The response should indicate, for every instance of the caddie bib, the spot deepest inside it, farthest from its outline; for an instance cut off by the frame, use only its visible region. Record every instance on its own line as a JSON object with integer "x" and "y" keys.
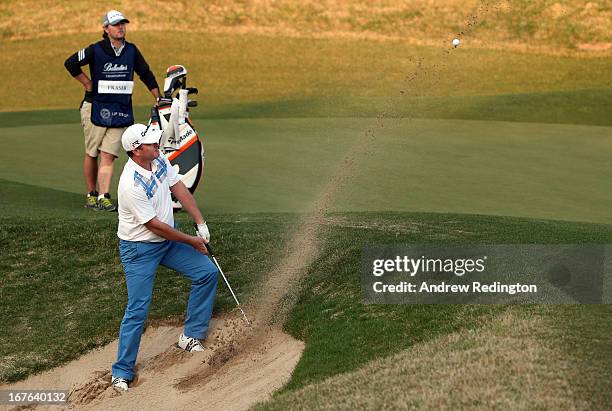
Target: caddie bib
{"x": 113, "y": 83}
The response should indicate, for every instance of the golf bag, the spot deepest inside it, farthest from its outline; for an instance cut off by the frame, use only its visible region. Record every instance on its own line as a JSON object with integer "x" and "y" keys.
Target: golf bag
{"x": 180, "y": 141}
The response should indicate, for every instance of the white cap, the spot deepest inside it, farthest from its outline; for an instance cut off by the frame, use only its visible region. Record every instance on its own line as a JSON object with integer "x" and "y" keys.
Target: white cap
{"x": 138, "y": 134}
{"x": 113, "y": 17}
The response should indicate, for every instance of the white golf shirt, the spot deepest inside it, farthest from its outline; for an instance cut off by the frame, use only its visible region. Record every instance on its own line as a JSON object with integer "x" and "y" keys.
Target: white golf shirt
{"x": 144, "y": 195}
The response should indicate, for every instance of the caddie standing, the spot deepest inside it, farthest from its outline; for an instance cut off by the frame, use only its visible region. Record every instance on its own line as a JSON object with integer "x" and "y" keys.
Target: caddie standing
{"x": 106, "y": 110}
{"x": 148, "y": 239}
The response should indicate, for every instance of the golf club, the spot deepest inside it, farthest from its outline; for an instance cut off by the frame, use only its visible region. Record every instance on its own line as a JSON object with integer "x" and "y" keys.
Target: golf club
{"x": 212, "y": 255}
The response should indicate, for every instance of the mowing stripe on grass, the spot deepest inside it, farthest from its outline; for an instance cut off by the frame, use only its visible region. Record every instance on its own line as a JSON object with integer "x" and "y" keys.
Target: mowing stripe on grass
{"x": 279, "y": 165}
{"x": 587, "y": 107}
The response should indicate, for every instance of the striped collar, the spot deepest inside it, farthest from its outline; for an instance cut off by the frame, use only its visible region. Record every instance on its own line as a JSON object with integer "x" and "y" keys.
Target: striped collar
{"x": 142, "y": 171}
{"x": 119, "y": 49}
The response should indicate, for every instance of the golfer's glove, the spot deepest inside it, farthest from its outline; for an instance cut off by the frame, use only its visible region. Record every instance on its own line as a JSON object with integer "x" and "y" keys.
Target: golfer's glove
{"x": 202, "y": 231}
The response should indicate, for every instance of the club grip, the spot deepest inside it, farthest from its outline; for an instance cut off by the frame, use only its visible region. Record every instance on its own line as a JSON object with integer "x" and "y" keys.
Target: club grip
{"x": 208, "y": 246}
{"x": 211, "y": 253}
{"x": 155, "y": 115}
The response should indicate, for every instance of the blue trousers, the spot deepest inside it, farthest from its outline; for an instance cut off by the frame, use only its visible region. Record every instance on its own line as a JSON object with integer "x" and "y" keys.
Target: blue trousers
{"x": 140, "y": 261}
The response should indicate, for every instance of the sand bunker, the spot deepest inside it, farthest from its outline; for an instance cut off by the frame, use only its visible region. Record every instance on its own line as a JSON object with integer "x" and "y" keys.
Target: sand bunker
{"x": 248, "y": 377}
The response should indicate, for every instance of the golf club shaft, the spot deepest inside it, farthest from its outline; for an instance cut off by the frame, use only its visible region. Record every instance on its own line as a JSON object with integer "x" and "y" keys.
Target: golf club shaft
{"x": 232, "y": 291}
{"x": 226, "y": 282}
{"x": 212, "y": 255}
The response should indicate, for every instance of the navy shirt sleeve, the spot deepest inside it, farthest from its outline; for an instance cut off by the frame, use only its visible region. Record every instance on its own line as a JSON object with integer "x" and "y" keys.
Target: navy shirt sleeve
{"x": 79, "y": 59}
{"x": 144, "y": 72}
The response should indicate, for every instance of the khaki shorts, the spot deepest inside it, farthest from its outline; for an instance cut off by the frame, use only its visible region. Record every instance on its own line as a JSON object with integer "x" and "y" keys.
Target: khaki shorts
{"x": 99, "y": 138}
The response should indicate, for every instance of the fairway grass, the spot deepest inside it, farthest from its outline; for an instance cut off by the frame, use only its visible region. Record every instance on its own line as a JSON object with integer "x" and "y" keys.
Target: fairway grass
{"x": 277, "y": 123}
{"x": 279, "y": 165}
{"x": 587, "y": 107}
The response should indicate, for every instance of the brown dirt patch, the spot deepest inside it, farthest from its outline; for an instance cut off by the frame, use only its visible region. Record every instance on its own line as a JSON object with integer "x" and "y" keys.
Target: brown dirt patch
{"x": 504, "y": 365}
{"x": 540, "y": 25}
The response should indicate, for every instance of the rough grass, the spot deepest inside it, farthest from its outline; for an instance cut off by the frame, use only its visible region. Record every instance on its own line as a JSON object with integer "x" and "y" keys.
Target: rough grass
{"x": 514, "y": 360}
{"x": 61, "y": 281}
{"x": 343, "y": 334}
{"x": 62, "y": 286}
{"x": 442, "y": 357}
{"x": 326, "y": 75}
{"x": 542, "y": 25}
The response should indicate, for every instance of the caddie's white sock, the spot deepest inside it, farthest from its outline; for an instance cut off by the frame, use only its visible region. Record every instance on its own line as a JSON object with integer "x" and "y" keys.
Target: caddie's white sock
{"x": 100, "y": 196}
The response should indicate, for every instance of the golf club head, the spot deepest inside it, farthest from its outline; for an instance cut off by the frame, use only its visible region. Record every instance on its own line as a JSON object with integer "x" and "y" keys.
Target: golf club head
{"x": 176, "y": 77}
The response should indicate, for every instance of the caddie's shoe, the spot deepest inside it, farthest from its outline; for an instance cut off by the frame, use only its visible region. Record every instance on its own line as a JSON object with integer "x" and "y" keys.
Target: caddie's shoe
{"x": 105, "y": 204}
{"x": 91, "y": 201}
{"x": 190, "y": 344}
{"x": 119, "y": 383}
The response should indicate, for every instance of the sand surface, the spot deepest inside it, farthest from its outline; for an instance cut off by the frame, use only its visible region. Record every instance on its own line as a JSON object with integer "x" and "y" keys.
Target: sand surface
{"x": 249, "y": 376}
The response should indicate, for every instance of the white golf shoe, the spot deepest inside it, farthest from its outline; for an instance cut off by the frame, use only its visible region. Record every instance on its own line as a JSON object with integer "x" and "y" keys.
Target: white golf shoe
{"x": 119, "y": 384}
{"x": 190, "y": 344}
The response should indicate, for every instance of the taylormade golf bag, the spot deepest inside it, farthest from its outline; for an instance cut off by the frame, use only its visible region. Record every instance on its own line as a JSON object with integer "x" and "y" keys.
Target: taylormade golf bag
{"x": 180, "y": 141}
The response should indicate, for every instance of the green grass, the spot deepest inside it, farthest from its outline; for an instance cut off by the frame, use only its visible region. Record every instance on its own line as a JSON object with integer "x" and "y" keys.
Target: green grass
{"x": 279, "y": 165}
{"x": 588, "y": 107}
{"x": 277, "y": 123}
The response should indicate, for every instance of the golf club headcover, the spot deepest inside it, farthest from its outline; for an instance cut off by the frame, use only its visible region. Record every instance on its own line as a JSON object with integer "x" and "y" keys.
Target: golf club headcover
{"x": 202, "y": 231}
{"x": 172, "y": 130}
{"x": 182, "y": 98}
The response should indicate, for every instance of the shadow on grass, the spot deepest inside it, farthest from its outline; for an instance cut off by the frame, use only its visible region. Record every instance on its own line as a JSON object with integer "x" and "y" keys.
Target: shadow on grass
{"x": 588, "y": 107}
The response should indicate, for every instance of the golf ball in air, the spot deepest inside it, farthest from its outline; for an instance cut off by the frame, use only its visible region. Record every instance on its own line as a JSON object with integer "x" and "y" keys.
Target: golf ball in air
{"x": 456, "y": 42}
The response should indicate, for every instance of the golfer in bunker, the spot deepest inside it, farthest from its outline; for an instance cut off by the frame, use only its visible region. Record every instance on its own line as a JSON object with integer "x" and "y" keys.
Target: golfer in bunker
{"x": 148, "y": 239}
